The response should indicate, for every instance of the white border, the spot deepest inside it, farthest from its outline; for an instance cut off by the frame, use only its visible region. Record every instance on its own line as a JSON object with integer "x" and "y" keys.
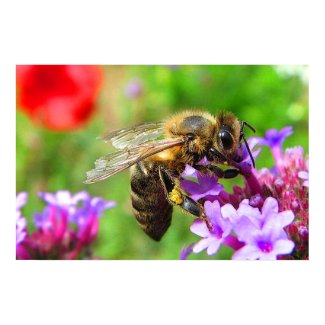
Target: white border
{"x": 147, "y": 32}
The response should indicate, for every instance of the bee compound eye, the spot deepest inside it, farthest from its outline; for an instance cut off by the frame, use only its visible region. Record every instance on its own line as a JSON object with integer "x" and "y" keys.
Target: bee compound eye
{"x": 226, "y": 139}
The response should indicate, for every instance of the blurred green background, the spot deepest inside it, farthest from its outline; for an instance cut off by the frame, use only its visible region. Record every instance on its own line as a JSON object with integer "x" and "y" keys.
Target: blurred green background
{"x": 264, "y": 96}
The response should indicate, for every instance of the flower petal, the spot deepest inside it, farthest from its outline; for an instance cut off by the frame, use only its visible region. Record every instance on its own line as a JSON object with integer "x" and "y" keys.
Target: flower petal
{"x": 248, "y": 252}
{"x": 258, "y": 141}
{"x": 303, "y": 175}
{"x": 49, "y": 198}
{"x": 189, "y": 171}
{"x": 246, "y": 230}
{"x": 285, "y": 132}
{"x": 186, "y": 251}
{"x": 190, "y": 187}
{"x": 98, "y": 205}
{"x": 197, "y": 196}
{"x": 202, "y": 245}
{"x": 80, "y": 196}
{"x": 213, "y": 247}
{"x": 204, "y": 161}
{"x": 251, "y": 213}
{"x": 229, "y": 212}
{"x": 252, "y": 142}
{"x": 200, "y": 228}
{"x": 21, "y": 200}
{"x": 267, "y": 256}
{"x": 212, "y": 210}
{"x": 64, "y": 198}
{"x": 270, "y": 206}
{"x": 278, "y": 221}
{"x": 286, "y": 217}
{"x": 283, "y": 246}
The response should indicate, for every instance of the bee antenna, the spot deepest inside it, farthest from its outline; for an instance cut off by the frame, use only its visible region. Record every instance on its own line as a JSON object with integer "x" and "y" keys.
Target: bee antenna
{"x": 243, "y": 124}
{"x": 249, "y": 151}
{"x": 242, "y": 136}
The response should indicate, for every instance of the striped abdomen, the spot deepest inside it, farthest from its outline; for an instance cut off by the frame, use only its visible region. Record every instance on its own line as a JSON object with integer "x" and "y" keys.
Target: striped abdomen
{"x": 150, "y": 206}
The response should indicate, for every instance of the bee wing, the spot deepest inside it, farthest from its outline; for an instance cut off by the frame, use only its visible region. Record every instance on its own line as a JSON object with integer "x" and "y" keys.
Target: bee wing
{"x": 116, "y": 162}
{"x": 134, "y": 136}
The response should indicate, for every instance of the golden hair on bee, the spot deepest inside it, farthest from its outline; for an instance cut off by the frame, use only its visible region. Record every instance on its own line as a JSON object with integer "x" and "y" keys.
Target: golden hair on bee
{"x": 173, "y": 124}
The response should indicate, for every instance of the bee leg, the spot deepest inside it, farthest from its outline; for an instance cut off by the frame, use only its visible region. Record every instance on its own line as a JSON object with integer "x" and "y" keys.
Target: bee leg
{"x": 214, "y": 170}
{"x": 231, "y": 173}
{"x": 176, "y": 196}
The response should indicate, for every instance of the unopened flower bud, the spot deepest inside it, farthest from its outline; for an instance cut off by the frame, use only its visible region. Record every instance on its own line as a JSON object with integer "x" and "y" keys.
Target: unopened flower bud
{"x": 256, "y": 200}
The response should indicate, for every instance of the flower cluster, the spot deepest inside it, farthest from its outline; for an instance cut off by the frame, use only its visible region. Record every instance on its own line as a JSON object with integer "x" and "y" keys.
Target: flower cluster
{"x": 265, "y": 219}
{"x": 65, "y": 229}
{"x": 288, "y": 182}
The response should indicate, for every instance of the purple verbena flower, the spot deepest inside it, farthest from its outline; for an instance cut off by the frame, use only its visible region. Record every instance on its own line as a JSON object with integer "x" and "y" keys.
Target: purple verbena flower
{"x": 21, "y": 222}
{"x": 95, "y": 205}
{"x": 87, "y": 218}
{"x": 206, "y": 185}
{"x": 186, "y": 251}
{"x": 54, "y": 237}
{"x": 212, "y": 239}
{"x": 268, "y": 216}
{"x": 52, "y": 219}
{"x": 134, "y": 88}
{"x": 64, "y": 199}
{"x": 274, "y": 139}
{"x": 244, "y": 209}
{"x": 21, "y": 231}
{"x": 262, "y": 231}
{"x": 20, "y": 228}
{"x": 21, "y": 200}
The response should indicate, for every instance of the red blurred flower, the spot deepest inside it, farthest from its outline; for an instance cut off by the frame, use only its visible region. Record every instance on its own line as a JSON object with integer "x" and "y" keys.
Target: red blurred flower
{"x": 58, "y": 97}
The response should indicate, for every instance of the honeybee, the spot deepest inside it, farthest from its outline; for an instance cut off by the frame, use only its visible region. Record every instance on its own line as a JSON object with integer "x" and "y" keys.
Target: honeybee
{"x": 156, "y": 163}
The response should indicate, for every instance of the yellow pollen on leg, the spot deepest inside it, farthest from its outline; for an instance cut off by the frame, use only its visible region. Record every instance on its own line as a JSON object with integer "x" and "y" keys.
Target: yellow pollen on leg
{"x": 175, "y": 197}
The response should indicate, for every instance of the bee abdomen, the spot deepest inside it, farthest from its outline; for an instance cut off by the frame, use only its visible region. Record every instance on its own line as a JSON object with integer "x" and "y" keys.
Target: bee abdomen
{"x": 150, "y": 205}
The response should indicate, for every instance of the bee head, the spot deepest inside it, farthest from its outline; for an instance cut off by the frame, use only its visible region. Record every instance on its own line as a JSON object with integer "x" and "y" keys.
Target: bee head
{"x": 229, "y": 134}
